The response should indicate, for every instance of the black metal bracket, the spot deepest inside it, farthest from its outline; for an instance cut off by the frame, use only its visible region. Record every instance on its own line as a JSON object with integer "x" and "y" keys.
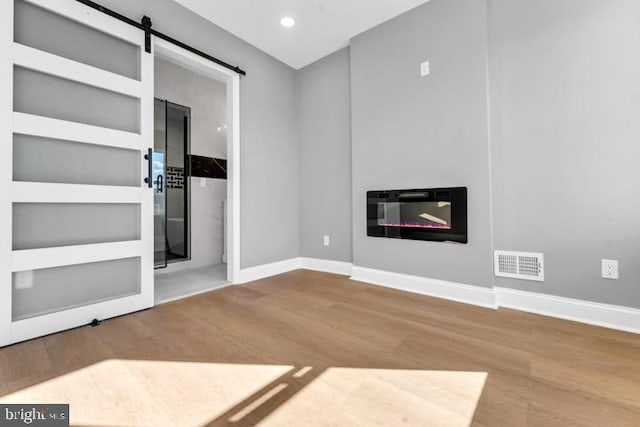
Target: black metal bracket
{"x": 146, "y": 27}
{"x": 149, "y": 158}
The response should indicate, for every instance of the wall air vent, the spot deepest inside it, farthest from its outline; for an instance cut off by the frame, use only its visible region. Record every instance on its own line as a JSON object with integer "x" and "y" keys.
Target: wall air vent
{"x": 519, "y": 265}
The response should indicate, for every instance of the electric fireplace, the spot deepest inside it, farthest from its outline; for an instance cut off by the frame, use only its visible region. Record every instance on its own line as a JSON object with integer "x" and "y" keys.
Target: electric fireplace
{"x": 436, "y": 214}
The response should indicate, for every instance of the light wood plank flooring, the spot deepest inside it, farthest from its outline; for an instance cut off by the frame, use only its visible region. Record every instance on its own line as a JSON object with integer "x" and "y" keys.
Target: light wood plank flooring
{"x": 307, "y": 348}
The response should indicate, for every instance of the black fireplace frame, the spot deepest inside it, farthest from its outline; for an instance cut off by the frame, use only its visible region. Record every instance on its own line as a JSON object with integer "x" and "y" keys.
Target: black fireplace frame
{"x": 456, "y": 195}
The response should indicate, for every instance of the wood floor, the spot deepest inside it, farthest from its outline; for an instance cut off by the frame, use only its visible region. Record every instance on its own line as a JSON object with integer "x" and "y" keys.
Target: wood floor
{"x": 308, "y": 348}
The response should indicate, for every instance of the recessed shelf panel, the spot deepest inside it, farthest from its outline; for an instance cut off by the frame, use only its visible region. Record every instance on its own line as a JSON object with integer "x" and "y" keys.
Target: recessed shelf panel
{"x": 38, "y": 159}
{"x": 45, "y": 225}
{"x": 49, "y": 290}
{"x": 53, "y": 33}
{"x": 45, "y": 95}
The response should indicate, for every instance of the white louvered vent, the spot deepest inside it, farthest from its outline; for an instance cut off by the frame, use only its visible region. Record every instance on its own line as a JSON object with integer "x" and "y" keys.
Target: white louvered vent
{"x": 519, "y": 265}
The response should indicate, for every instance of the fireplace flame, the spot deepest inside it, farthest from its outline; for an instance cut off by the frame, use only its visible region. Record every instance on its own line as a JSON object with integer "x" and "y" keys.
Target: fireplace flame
{"x": 432, "y": 218}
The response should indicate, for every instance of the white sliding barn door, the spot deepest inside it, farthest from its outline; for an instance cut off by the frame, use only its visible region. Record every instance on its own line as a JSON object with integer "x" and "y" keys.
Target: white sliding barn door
{"x": 76, "y": 123}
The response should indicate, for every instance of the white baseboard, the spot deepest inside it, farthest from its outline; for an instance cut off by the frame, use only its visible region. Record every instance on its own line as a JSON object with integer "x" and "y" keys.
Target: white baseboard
{"x": 267, "y": 270}
{"x": 327, "y": 266}
{"x": 468, "y": 294}
{"x": 605, "y": 315}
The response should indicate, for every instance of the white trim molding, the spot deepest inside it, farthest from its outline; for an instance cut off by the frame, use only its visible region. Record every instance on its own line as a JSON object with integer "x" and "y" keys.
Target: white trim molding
{"x": 177, "y": 55}
{"x": 34, "y": 327}
{"x": 467, "y": 294}
{"x": 36, "y": 259}
{"x": 29, "y": 124}
{"x": 605, "y": 315}
{"x": 6, "y": 166}
{"x": 597, "y": 314}
{"x": 326, "y": 266}
{"x": 266, "y": 270}
{"x": 34, "y": 59}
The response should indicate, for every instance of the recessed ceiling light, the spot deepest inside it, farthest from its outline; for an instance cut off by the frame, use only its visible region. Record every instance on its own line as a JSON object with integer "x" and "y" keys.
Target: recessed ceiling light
{"x": 287, "y": 22}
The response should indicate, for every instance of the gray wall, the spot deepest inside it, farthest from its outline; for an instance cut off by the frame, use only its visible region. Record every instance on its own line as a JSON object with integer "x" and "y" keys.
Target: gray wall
{"x": 563, "y": 151}
{"x": 325, "y": 157}
{"x": 414, "y": 132}
{"x": 268, "y": 130}
{"x": 565, "y": 104}
{"x": 564, "y": 95}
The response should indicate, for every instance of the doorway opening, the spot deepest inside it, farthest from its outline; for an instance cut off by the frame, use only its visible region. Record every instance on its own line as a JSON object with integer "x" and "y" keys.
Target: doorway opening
{"x": 195, "y": 175}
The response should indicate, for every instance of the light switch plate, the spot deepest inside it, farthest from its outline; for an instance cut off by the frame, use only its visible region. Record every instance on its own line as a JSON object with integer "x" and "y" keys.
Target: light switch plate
{"x": 425, "y": 69}
{"x": 325, "y": 240}
{"x": 203, "y": 182}
{"x": 610, "y": 269}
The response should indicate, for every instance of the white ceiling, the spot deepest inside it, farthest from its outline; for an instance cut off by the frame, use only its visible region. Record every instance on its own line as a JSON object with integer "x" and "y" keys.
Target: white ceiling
{"x": 322, "y": 26}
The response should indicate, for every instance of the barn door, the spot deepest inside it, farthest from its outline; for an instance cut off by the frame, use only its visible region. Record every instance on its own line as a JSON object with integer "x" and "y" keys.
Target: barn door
{"x": 78, "y": 209}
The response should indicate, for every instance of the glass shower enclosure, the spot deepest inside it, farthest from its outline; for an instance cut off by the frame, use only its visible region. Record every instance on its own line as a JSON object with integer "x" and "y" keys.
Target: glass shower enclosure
{"x": 171, "y": 171}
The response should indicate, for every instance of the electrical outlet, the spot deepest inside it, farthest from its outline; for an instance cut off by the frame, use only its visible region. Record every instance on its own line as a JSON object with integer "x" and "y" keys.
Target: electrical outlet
{"x": 203, "y": 182}
{"x": 610, "y": 269}
{"x": 325, "y": 240}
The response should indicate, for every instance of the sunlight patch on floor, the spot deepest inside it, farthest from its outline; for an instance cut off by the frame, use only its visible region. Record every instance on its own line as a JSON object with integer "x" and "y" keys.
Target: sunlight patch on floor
{"x": 168, "y": 393}
{"x": 151, "y": 393}
{"x": 363, "y": 397}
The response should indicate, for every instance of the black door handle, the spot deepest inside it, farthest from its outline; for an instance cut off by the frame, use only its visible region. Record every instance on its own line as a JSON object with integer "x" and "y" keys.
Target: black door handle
{"x": 160, "y": 184}
{"x": 149, "y": 158}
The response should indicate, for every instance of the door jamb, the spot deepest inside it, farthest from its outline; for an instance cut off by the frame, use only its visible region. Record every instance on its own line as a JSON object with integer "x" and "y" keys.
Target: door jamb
{"x": 186, "y": 59}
